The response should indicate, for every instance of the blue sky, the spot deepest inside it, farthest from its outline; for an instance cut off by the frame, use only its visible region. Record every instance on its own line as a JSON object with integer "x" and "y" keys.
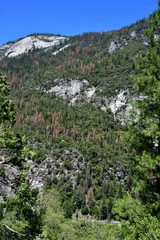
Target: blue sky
{"x": 19, "y": 18}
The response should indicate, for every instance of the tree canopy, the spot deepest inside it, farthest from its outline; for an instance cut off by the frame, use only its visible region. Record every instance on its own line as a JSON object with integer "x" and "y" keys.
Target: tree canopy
{"x": 7, "y": 111}
{"x": 144, "y": 130}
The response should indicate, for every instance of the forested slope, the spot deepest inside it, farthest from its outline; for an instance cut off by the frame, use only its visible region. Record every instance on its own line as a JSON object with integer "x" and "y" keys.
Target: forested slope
{"x": 89, "y": 165}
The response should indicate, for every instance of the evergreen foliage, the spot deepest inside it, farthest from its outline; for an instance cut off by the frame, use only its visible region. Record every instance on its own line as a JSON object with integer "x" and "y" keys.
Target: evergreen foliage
{"x": 145, "y": 127}
{"x": 18, "y": 218}
{"x": 103, "y": 170}
{"x": 144, "y": 141}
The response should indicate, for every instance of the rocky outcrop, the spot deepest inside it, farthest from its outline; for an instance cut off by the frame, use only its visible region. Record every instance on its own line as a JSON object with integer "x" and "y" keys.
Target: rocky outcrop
{"x": 66, "y": 89}
{"x": 117, "y": 102}
{"x": 61, "y": 49}
{"x": 113, "y": 46}
{"x": 131, "y": 34}
{"x": 118, "y": 173}
{"x": 31, "y": 42}
{"x": 4, "y": 48}
{"x": 68, "y": 165}
{"x": 9, "y": 174}
{"x": 78, "y": 92}
{"x": 73, "y": 90}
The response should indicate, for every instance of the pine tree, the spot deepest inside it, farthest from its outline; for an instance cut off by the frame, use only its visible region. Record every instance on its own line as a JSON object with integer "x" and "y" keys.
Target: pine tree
{"x": 144, "y": 130}
{"x": 148, "y": 88}
{"x": 90, "y": 198}
{"x": 7, "y": 111}
{"x": 20, "y": 208}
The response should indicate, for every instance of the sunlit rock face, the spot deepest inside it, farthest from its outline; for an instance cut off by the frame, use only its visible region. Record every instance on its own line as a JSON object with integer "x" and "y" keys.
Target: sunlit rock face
{"x": 31, "y": 42}
{"x": 113, "y": 46}
{"x": 71, "y": 89}
{"x": 67, "y": 89}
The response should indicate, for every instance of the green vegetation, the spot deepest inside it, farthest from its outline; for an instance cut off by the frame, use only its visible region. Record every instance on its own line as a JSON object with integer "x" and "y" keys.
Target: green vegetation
{"x": 144, "y": 140}
{"x": 100, "y": 170}
{"x": 58, "y": 227}
{"x": 86, "y": 58}
{"x": 18, "y": 214}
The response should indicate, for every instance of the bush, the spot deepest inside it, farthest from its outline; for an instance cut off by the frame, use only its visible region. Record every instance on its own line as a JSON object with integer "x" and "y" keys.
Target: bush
{"x": 68, "y": 164}
{"x": 2, "y": 171}
{"x": 142, "y": 228}
{"x": 84, "y": 210}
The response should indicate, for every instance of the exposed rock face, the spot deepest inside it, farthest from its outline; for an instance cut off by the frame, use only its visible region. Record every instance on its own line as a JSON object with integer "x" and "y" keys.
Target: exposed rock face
{"x": 133, "y": 34}
{"x": 31, "y": 42}
{"x": 90, "y": 92}
{"x": 71, "y": 90}
{"x": 56, "y": 166}
{"x": 76, "y": 90}
{"x": 68, "y": 165}
{"x": 67, "y": 89}
{"x": 3, "y": 49}
{"x": 118, "y": 101}
{"x": 7, "y": 179}
{"x": 61, "y": 49}
{"x": 113, "y": 46}
{"x": 118, "y": 173}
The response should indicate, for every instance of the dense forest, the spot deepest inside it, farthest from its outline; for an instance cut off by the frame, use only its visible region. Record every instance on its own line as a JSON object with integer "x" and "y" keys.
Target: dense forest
{"x": 100, "y": 176}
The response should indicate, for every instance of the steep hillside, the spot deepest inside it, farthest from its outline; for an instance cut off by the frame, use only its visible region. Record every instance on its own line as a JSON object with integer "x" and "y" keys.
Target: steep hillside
{"x": 89, "y": 74}
{"x": 64, "y": 89}
{"x": 106, "y": 60}
{"x": 72, "y": 96}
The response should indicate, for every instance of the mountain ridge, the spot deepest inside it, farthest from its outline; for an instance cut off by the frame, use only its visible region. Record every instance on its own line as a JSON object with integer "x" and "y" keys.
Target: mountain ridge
{"x": 40, "y": 40}
{"x": 78, "y": 151}
{"x": 105, "y": 60}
